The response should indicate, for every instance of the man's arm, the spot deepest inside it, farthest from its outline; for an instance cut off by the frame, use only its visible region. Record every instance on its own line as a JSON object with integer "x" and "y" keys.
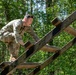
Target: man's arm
{"x": 33, "y": 34}
{"x": 18, "y": 37}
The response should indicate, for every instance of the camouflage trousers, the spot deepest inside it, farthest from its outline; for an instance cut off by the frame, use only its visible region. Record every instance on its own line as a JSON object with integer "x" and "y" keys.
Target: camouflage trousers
{"x": 13, "y": 47}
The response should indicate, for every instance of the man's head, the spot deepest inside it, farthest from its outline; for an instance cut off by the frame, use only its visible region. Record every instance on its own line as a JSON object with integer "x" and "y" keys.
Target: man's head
{"x": 28, "y": 19}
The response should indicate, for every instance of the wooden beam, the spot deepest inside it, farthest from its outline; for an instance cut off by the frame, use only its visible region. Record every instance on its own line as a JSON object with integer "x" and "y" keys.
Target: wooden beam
{"x": 28, "y": 65}
{"x": 52, "y": 58}
{"x": 28, "y": 45}
{"x": 69, "y": 29}
{"x": 25, "y": 65}
{"x": 42, "y": 42}
{"x": 48, "y": 48}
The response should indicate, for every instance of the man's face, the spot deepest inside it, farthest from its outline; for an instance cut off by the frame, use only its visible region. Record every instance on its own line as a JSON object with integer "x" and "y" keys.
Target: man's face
{"x": 29, "y": 21}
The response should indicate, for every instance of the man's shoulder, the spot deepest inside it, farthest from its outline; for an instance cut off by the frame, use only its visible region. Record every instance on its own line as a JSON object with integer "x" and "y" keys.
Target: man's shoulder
{"x": 18, "y": 21}
{"x": 13, "y": 21}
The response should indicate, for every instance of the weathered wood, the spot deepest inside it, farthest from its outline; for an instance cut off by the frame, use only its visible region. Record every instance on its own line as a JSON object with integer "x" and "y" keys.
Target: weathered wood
{"x": 25, "y": 65}
{"x": 69, "y": 29}
{"x": 56, "y": 21}
{"x": 52, "y": 58}
{"x": 32, "y": 50}
{"x": 48, "y": 48}
{"x": 28, "y": 65}
{"x": 28, "y": 45}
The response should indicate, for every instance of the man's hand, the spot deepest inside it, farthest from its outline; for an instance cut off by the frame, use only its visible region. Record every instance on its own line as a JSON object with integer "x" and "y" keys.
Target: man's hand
{"x": 26, "y": 45}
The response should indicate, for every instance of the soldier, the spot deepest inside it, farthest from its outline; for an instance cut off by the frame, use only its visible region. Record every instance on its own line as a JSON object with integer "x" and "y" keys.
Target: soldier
{"x": 11, "y": 34}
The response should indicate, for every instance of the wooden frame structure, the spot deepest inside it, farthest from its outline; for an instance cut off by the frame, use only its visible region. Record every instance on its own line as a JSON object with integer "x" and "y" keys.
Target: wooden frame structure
{"x": 32, "y": 49}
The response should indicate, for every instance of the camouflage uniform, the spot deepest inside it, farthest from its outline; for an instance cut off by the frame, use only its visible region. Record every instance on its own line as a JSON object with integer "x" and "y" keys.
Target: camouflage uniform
{"x": 12, "y": 33}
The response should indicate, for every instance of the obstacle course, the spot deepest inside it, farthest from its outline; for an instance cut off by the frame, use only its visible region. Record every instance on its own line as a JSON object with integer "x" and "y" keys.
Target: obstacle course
{"x": 7, "y": 67}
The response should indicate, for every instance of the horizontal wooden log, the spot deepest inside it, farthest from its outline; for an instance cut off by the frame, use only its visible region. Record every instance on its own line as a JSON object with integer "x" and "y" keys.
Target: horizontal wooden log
{"x": 42, "y": 42}
{"x": 28, "y": 45}
{"x": 48, "y": 48}
{"x": 52, "y": 58}
{"x": 69, "y": 29}
{"x": 25, "y": 65}
{"x": 56, "y": 21}
{"x": 28, "y": 65}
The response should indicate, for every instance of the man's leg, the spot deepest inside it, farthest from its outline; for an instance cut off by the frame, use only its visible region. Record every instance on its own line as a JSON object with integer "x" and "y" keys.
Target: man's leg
{"x": 13, "y": 48}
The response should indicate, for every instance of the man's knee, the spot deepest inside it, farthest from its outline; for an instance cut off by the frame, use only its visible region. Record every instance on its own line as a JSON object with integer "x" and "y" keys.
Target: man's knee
{"x": 13, "y": 55}
{"x": 13, "y": 49}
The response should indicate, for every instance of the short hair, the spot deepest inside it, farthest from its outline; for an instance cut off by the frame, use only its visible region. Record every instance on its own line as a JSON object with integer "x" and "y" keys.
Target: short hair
{"x": 28, "y": 16}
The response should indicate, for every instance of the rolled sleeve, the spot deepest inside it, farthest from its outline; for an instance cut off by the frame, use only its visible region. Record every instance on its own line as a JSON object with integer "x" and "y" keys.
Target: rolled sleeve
{"x": 33, "y": 34}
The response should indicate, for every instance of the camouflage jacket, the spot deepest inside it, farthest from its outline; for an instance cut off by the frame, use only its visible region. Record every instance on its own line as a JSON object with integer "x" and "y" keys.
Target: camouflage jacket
{"x": 16, "y": 26}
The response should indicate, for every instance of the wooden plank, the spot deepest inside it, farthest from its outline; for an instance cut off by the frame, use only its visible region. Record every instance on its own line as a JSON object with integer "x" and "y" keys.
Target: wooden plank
{"x": 28, "y": 45}
{"x": 69, "y": 29}
{"x": 28, "y": 65}
{"x": 48, "y": 37}
{"x": 25, "y": 65}
{"x": 52, "y": 58}
{"x": 48, "y": 48}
